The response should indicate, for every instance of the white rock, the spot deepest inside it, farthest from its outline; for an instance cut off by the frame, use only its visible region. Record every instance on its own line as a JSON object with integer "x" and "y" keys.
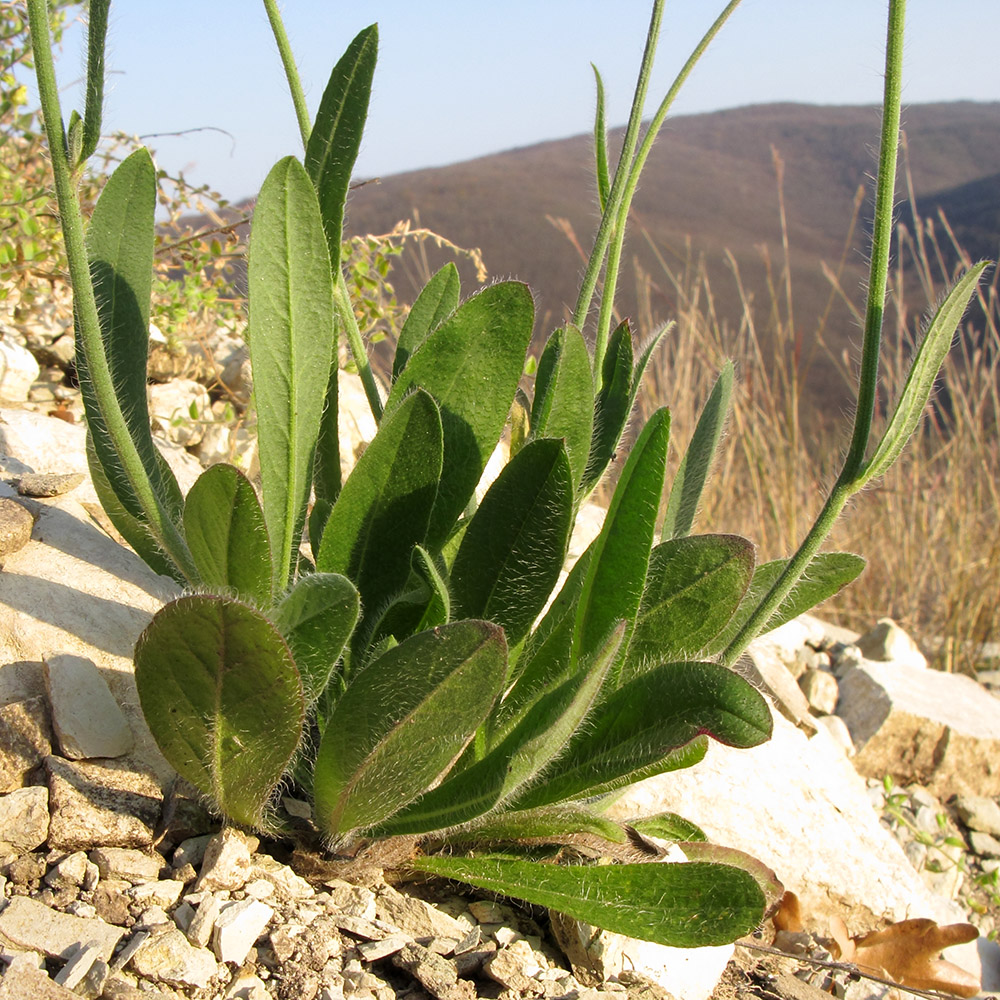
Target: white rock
{"x": 925, "y": 726}
{"x": 837, "y": 730}
{"x": 979, "y": 813}
{"x": 199, "y": 931}
{"x": 356, "y": 426}
{"x": 32, "y": 925}
{"x": 71, "y": 871}
{"x": 415, "y": 916}
{"x": 127, "y": 863}
{"x": 24, "y": 819}
{"x": 74, "y": 971}
{"x": 823, "y": 839}
{"x": 85, "y": 716}
{"x": 227, "y": 862}
{"x": 169, "y": 958}
{"x": 22, "y": 982}
{"x": 237, "y": 927}
{"x": 18, "y": 369}
{"x": 179, "y": 409}
{"x": 820, "y": 689}
{"x": 887, "y": 641}
{"x": 163, "y": 892}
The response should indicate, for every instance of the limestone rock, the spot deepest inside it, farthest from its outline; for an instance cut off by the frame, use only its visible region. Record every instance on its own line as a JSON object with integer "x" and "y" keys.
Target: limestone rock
{"x": 85, "y": 716}
{"x": 70, "y": 871}
{"x": 415, "y": 916}
{"x": 18, "y": 369}
{"x": 48, "y": 484}
{"x": 820, "y": 689}
{"x": 178, "y": 410}
{"x": 436, "y": 974}
{"x": 798, "y": 805}
{"x": 164, "y": 893}
{"x": 21, "y": 982}
{"x": 26, "y": 738}
{"x": 169, "y": 958}
{"x": 938, "y": 730}
{"x": 226, "y": 864}
{"x": 24, "y": 819}
{"x": 16, "y": 525}
{"x": 127, "y": 863}
{"x": 101, "y": 803}
{"x": 237, "y": 927}
{"x": 32, "y": 925}
{"x": 887, "y": 641}
{"x": 979, "y": 813}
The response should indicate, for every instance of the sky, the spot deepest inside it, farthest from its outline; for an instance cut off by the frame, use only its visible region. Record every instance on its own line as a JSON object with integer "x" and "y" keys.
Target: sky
{"x": 458, "y": 80}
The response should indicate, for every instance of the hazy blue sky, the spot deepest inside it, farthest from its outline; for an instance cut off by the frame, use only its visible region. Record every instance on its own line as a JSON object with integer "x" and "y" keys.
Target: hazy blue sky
{"x": 461, "y": 79}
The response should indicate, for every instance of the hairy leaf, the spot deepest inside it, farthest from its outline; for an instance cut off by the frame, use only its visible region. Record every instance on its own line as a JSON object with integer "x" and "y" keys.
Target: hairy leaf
{"x": 336, "y": 133}
{"x": 551, "y": 824}
{"x": 612, "y": 405}
{"x": 317, "y": 617}
{"x": 564, "y": 397}
{"x": 471, "y": 365}
{"x": 403, "y": 720}
{"x": 681, "y": 905}
{"x": 437, "y": 300}
{"x": 222, "y": 698}
{"x": 292, "y": 343}
{"x": 693, "y": 586}
{"x": 669, "y": 826}
{"x": 601, "y": 144}
{"x": 693, "y": 472}
{"x": 224, "y": 527}
{"x": 515, "y": 544}
{"x": 385, "y": 506}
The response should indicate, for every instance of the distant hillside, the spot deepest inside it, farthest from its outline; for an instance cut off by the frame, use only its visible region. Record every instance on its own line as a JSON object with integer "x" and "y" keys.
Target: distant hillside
{"x": 711, "y": 180}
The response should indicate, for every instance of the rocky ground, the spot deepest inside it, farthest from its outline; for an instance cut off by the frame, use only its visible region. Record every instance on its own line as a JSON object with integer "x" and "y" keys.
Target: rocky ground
{"x": 876, "y": 802}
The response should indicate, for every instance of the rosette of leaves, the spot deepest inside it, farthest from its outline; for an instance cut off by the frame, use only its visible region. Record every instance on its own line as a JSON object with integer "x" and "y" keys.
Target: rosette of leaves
{"x": 402, "y": 656}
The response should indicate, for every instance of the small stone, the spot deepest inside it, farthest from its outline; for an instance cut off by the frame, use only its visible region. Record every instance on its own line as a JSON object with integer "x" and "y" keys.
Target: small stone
{"x": 984, "y": 844}
{"x": 355, "y": 900}
{"x": 285, "y": 881}
{"x": 153, "y": 917}
{"x": 74, "y": 971}
{"x": 26, "y": 869}
{"x": 297, "y": 808}
{"x": 169, "y": 958}
{"x": 259, "y": 888}
{"x": 887, "y": 641}
{"x": 486, "y": 911}
{"x": 18, "y": 369}
{"x": 134, "y": 943}
{"x": 163, "y": 892}
{"x": 16, "y": 525}
{"x": 415, "y": 916}
{"x": 820, "y": 689}
{"x": 85, "y": 716}
{"x": 179, "y": 410}
{"x": 199, "y": 931}
{"x": 30, "y": 924}
{"x": 78, "y": 908}
{"x": 437, "y": 975}
{"x": 48, "y": 484}
{"x": 372, "y": 951}
{"x": 93, "y": 804}
{"x": 507, "y": 969}
{"x": 24, "y": 819}
{"x": 182, "y": 916}
{"x": 227, "y": 862}
{"x": 111, "y": 901}
{"x": 979, "y": 813}
{"x": 127, "y": 863}
{"x": 191, "y": 851}
{"x": 26, "y": 737}
{"x": 247, "y": 986}
{"x": 358, "y": 926}
{"x": 21, "y": 982}
{"x": 71, "y": 871}
{"x": 237, "y": 928}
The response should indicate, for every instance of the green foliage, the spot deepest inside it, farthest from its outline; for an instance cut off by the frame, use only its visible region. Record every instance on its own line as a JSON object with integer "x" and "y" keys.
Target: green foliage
{"x": 406, "y": 674}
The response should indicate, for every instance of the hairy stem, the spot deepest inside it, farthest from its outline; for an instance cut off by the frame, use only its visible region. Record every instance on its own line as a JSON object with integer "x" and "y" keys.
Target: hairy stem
{"x": 291, "y": 70}
{"x": 342, "y": 301}
{"x": 158, "y": 522}
{"x": 849, "y": 480}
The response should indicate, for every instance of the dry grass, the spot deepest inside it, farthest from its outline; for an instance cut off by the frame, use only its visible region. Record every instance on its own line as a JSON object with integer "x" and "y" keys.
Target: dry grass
{"x": 930, "y": 529}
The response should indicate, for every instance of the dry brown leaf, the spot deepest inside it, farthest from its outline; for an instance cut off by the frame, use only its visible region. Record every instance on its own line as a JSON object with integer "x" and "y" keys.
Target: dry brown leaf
{"x": 909, "y": 953}
{"x": 788, "y": 916}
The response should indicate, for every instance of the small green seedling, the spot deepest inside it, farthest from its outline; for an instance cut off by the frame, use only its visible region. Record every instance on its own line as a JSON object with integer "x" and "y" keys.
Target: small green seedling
{"x": 382, "y": 644}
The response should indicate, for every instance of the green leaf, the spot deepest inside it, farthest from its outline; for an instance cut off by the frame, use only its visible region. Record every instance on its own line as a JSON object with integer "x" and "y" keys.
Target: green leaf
{"x": 317, "y": 617}
{"x": 336, "y": 133}
{"x": 693, "y": 586}
{"x": 681, "y": 905}
{"x": 403, "y": 720}
{"x": 520, "y": 745}
{"x": 616, "y": 573}
{"x": 471, "y": 365}
{"x": 292, "y": 342}
{"x": 222, "y": 698}
{"x": 924, "y": 370}
{"x": 635, "y": 730}
{"x": 120, "y": 251}
{"x": 326, "y": 464}
{"x": 385, "y": 506}
{"x": 436, "y": 302}
{"x": 612, "y": 405}
{"x": 601, "y": 144}
{"x": 97, "y": 29}
{"x": 564, "y": 397}
{"x": 693, "y": 472}
{"x": 130, "y": 528}
{"x": 669, "y": 826}
{"x": 645, "y": 356}
{"x": 765, "y": 878}
{"x": 828, "y": 573}
{"x": 515, "y": 545}
{"x": 224, "y": 527}
{"x": 550, "y": 823}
